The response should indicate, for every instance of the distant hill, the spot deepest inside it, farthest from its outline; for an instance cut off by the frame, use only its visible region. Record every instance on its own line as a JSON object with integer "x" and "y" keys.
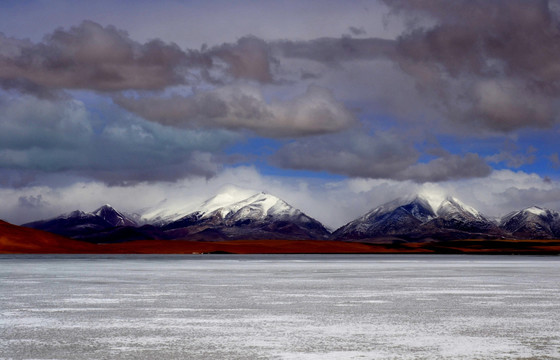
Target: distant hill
{"x": 17, "y": 239}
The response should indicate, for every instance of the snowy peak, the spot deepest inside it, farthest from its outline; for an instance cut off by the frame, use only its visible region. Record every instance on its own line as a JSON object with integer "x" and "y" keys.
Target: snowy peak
{"x": 531, "y": 212}
{"x": 77, "y": 223}
{"x": 416, "y": 205}
{"x": 227, "y": 197}
{"x": 403, "y": 215}
{"x": 256, "y": 207}
{"x": 535, "y": 210}
{"x": 113, "y": 217}
{"x": 76, "y": 214}
{"x": 420, "y": 208}
{"x": 418, "y": 216}
{"x": 260, "y": 215}
{"x": 452, "y": 208}
{"x": 532, "y": 222}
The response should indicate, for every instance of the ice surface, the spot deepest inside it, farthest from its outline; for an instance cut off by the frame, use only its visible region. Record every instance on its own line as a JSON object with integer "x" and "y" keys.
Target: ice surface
{"x": 279, "y": 307}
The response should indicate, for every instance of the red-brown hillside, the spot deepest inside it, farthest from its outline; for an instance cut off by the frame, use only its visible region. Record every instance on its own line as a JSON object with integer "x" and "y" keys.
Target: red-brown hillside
{"x": 17, "y": 239}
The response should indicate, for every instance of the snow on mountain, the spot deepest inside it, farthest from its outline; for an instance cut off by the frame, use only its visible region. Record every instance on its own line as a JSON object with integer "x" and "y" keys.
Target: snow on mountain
{"x": 260, "y": 215}
{"x": 236, "y": 213}
{"x": 256, "y": 207}
{"x": 113, "y": 217}
{"x": 228, "y": 195}
{"x": 536, "y": 210}
{"x": 532, "y": 222}
{"x": 452, "y": 208}
{"x": 77, "y": 223}
{"x": 397, "y": 216}
{"x": 76, "y": 214}
{"x": 417, "y": 216}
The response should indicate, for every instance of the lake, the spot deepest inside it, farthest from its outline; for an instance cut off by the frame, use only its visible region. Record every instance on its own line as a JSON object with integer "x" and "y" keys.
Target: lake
{"x": 279, "y": 307}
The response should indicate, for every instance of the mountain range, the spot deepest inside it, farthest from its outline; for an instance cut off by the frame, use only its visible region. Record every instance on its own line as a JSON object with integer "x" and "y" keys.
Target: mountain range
{"x": 232, "y": 215}
{"x": 226, "y": 216}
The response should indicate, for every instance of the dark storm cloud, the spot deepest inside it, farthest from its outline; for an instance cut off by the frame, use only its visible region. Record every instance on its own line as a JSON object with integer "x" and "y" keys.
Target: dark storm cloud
{"x": 512, "y": 157}
{"x": 243, "y": 108}
{"x": 46, "y": 137}
{"x": 353, "y": 154}
{"x": 447, "y": 167}
{"x": 383, "y": 156}
{"x": 249, "y": 58}
{"x": 89, "y": 56}
{"x": 495, "y": 64}
{"x": 488, "y": 65}
{"x": 333, "y": 51}
{"x": 357, "y": 30}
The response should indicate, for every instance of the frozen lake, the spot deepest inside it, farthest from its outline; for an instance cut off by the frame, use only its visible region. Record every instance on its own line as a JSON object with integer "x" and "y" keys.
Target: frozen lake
{"x": 279, "y": 307}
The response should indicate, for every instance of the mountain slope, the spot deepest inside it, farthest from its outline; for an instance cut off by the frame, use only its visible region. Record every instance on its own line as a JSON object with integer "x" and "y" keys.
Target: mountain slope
{"x": 20, "y": 240}
{"x": 398, "y": 217}
{"x": 456, "y": 216}
{"x": 259, "y": 216}
{"x": 114, "y": 217}
{"x": 533, "y": 222}
{"x": 105, "y": 223}
{"x": 417, "y": 218}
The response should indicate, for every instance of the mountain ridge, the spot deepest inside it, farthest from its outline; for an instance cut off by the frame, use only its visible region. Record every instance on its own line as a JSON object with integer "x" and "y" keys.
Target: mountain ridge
{"x": 231, "y": 215}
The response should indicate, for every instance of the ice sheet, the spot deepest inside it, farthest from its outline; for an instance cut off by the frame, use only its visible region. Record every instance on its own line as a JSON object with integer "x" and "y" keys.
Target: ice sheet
{"x": 279, "y": 307}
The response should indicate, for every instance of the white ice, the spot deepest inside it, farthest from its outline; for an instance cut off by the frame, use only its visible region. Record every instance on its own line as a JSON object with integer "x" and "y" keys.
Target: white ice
{"x": 279, "y": 307}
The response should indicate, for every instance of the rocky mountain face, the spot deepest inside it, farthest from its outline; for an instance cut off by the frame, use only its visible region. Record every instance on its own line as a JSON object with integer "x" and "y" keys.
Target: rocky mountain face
{"x": 418, "y": 219}
{"x": 102, "y": 225}
{"x": 532, "y": 223}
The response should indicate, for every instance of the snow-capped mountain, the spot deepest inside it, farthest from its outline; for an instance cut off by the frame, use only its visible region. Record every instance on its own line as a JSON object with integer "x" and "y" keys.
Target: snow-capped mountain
{"x": 114, "y": 217}
{"x": 400, "y": 216}
{"x": 453, "y": 214}
{"x": 237, "y": 213}
{"x": 419, "y": 217}
{"x": 232, "y": 214}
{"x": 167, "y": 213}
{"x": 80, "y": 225}
{"x": 259, "y": 216}
{"x": 533, "y": 222}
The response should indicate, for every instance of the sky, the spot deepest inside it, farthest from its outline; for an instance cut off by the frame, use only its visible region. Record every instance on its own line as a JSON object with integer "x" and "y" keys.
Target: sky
{"x": 335, "y": 107}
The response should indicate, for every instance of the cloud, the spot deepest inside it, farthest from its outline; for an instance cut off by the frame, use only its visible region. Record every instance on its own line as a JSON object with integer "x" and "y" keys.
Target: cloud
{"x": 89, "y": 56}
{"x": 382, "y": 156}
{"x": 554, "y": 160}
{"x": 513, "y": 158}
{"x": 242, "y": 107}
{"x": 41, "y": 136}
{"x": 486, "y": 66}
{"x": 447, "y": 167}
{"x": 356, "y": 31}
{"x": 333, "y": 51}
{"x": 249, "y": 58}
{"x": 353, "y": 154}
{"x": 32, "y": 201}
{"x": 493, "y": 63}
